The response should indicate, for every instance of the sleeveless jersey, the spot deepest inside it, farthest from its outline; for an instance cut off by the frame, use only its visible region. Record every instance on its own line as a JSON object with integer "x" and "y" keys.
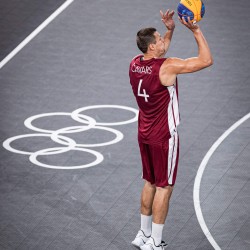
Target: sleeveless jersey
{"x": 158, "y": 104}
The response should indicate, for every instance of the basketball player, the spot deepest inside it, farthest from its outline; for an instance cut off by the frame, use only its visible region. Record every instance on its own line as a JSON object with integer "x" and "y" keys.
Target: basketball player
{"x": 154, "y": 83}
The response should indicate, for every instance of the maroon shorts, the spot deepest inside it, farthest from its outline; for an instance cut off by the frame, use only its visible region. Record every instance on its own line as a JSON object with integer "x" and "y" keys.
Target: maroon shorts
{"x": 160, "y": 161}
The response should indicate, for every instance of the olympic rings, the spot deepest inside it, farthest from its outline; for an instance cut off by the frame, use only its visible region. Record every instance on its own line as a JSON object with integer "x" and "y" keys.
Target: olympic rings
{"x": 68, "y": 143}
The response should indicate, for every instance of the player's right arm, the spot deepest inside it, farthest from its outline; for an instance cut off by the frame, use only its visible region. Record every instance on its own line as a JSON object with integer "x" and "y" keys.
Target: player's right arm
{"x": 174, "y": 66}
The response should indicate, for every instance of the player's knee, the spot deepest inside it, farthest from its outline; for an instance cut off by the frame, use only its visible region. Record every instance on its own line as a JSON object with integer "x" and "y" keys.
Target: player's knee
{"x": 166, "y": 189}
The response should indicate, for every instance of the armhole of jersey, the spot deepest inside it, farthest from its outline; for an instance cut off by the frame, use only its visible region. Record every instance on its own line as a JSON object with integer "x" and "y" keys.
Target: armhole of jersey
{"x": 176, "y": 81}
{"x": 175, "y": 84}
{"x": 159, "y": 66}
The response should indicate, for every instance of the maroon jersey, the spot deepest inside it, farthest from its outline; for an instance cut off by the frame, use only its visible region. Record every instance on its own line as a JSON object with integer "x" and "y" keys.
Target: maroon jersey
{"x": 158, "y": 105}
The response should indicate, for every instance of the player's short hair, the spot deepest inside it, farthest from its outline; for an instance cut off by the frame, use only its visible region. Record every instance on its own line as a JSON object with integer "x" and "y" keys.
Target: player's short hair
{"x": 144, "y": 38}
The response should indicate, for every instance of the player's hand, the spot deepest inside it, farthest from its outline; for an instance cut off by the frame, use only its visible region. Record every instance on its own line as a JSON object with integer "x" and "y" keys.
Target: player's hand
{"x": 167, "y": 19}
{"x": 193, "y": 26}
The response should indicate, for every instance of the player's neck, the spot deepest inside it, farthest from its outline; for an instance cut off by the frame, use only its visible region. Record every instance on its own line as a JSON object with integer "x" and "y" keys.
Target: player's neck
{"x": 148, "y": 56}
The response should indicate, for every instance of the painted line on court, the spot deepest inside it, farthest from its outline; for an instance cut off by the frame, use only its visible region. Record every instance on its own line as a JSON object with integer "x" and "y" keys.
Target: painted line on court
{"x": 196, "y": 190}
{"x": 35, "y": 32}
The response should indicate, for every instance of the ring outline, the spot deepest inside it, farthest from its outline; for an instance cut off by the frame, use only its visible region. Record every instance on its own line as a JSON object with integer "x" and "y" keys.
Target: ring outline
{"x": 33, "y": 159}
{"x": 6, "y": 143}
{"x": 28, "y": 121}
{"x": 119, "y": 137}
{"x": 75, "y": 114}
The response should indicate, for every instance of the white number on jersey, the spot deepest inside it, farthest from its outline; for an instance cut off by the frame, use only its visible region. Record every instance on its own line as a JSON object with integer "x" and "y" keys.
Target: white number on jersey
{"x": 144, "y": 94}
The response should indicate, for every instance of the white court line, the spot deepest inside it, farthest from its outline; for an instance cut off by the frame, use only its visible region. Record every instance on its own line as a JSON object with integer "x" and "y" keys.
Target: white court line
{"x": 196, "y": 190}
{"x": 35, "y": 32}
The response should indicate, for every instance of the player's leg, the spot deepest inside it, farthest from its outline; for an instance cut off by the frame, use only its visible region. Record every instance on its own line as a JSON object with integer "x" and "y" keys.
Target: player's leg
{"x": 147, "y": 197}
{"x": 165, "y": 159}
{"x": 160, "y": 208}
{"x": 161, "y": 204}
{"x": 148, "y": 191}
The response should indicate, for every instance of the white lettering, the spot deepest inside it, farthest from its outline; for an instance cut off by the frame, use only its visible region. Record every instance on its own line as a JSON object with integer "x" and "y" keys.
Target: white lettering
{"x": 141, "y": 70}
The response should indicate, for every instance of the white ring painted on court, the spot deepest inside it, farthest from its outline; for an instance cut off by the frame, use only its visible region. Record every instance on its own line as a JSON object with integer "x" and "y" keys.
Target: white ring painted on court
{"x": 118, "y": 134}
{"x": 33, "y": 158}
{"x": 75, "y": 114}
{"x": 6, "y": 144}
{"x": 28, "y": 122}
{"x": 196, "y": 190}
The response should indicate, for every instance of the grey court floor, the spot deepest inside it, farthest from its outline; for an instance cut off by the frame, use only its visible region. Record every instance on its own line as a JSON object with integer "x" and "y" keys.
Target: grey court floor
{"x": 81, "y": 59}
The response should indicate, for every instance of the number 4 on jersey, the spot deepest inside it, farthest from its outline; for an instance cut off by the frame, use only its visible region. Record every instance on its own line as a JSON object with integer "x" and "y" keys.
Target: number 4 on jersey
{"x": 144, "y": 94}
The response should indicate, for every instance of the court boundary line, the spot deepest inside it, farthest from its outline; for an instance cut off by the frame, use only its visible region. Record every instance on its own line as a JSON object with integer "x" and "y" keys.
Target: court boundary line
{"x": 35, "y": 32}
{"x": 197, "y": 182}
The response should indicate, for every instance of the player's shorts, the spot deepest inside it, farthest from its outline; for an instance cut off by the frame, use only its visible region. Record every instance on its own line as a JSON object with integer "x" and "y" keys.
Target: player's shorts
{"x": 160, "y": 161}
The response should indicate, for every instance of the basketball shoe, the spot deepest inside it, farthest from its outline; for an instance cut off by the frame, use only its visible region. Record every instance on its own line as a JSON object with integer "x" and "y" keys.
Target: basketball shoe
{"x": 150, "y": 245}
{"x": 140, "y": 239}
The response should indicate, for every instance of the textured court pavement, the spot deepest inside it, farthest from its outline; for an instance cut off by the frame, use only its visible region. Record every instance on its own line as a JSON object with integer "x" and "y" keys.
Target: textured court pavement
{"x": 81, "y": 59}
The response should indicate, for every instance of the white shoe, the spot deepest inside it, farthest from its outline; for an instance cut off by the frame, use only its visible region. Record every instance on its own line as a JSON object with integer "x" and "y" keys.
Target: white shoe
{"x": 140, "y": 239}
{"x": 150, "y": 245}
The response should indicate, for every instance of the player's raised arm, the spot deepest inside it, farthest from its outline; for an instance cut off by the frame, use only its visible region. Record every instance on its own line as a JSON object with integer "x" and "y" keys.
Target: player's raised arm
{"x": 174, "y": 66}
{"x": 167, "y": 19}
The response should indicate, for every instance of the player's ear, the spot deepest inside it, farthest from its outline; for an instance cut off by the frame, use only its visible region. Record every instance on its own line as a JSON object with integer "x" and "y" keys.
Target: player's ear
{"x": 151, "y": 46}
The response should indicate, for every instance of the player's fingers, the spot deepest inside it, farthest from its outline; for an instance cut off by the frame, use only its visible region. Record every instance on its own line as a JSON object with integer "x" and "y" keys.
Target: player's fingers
{"x": 162, "y": 15}
{"x": 190, "y": 22}
{"x": 166, "y": 14}
{"x": 171, "y": 13}
{"x": 184, "y": 21}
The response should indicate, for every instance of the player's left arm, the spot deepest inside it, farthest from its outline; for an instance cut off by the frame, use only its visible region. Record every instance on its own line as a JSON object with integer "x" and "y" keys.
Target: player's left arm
{"x": 167, "y": 19}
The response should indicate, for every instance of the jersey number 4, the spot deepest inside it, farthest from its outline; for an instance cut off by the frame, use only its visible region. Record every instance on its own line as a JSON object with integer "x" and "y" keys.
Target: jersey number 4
{"x": 144, "y": 94}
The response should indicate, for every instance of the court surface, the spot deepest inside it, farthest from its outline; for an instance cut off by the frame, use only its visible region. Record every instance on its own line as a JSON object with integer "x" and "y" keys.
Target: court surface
{"x": 81, "y": 60}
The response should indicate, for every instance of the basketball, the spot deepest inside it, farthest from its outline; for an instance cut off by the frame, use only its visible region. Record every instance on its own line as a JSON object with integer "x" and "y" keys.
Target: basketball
{"x": 195, "y": 9}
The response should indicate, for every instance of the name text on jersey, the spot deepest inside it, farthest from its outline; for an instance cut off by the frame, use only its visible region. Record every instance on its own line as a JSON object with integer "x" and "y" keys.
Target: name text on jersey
{"x": 142, "y": 70}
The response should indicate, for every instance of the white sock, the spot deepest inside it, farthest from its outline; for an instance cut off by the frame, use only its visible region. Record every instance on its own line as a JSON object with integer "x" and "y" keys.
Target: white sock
{"x": 157, "y": 233}
{"x": 146, "y": 223}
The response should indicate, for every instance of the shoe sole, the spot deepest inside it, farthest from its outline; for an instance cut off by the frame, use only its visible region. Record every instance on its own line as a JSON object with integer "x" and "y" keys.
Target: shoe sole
{"x": 138, "y": 247}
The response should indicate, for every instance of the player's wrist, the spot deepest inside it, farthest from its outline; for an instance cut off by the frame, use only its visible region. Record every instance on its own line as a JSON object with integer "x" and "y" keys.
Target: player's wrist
{"x": 196, "y": 31}
{"x": 170, "y": 29}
